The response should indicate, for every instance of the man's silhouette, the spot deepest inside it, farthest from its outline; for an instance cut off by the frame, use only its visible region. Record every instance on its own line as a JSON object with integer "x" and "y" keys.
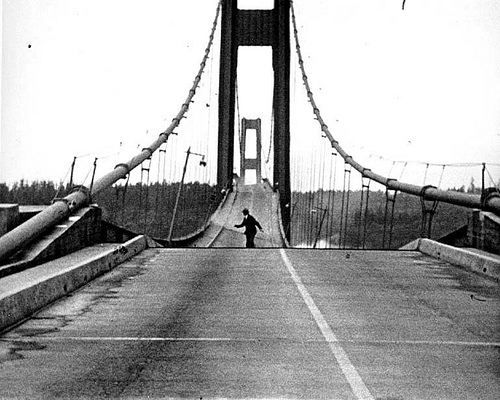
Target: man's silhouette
{"x": 251, "y": 225}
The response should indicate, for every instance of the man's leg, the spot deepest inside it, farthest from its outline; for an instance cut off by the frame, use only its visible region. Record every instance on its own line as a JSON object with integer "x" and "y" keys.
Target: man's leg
{"x": 250, "y": 242}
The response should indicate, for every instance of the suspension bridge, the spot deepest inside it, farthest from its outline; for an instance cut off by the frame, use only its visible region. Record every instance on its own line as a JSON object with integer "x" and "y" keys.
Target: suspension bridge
{"x": 136, "y": 283}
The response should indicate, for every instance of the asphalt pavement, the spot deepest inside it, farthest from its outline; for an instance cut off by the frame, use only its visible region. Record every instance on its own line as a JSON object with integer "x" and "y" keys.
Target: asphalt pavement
{"x": 264, "y": 323}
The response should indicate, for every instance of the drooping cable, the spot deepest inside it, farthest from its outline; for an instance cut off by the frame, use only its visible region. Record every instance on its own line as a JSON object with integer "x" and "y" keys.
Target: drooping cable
{"x": 425, "y": 174}
{"x": 123, "y": 169}
{"x": 123, "y": 190}
{"x": 495, "y": 185}
{"x": 403, "y": 170}
{"x": 321, "y": 214}
{"x": 61, "y": 185}
{"x": 441, "y": 177}
{"x": 238, "y": 116}
{"x": 456, "y": 198}
{"x": 13, "y": 240}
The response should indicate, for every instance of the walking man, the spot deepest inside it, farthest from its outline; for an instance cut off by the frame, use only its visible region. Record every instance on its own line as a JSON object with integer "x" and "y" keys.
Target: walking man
{"x": 251, "y": 225}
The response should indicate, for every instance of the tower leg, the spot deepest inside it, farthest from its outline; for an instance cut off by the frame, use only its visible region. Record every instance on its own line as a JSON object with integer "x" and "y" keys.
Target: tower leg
{"x": 281, "y": 65}
{"x": 227, "y": 92}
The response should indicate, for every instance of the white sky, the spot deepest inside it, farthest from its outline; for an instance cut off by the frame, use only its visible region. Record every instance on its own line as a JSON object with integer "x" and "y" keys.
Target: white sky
{"x": 81, "y": 76}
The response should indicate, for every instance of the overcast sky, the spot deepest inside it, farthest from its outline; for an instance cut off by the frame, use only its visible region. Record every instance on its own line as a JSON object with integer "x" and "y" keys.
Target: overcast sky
{"x": 82, "y": 76}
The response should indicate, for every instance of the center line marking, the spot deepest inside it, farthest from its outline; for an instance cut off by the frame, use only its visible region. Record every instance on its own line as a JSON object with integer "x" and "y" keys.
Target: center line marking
{"x": 119, "y": 339}
{"x": 7, "y": 339}
{"x": 357, "y": 385}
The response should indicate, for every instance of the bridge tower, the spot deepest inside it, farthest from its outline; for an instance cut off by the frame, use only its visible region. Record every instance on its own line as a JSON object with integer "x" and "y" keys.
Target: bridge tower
{"x": 256, "y": 28}
{"x": 251, "y": 163}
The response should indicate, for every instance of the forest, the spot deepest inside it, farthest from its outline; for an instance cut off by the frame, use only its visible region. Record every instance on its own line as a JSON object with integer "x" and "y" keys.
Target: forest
{"x": 138, "y": 208}
{"x": 318, "y": 219}
{"x": 363, "y": 220}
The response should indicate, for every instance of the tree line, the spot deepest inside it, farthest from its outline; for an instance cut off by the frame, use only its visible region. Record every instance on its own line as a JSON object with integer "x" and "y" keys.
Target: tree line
{"x": 149, "y": 209}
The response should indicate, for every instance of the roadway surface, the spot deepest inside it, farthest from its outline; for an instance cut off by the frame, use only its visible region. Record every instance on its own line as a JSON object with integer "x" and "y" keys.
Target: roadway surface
{"x": 265, "y": 323}
{"x": 263, "y": 204}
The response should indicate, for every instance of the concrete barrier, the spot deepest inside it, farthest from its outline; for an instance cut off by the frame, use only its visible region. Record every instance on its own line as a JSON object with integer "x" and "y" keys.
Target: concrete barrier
{"x": 78, "y": 231}
{"x": 24, "y": 293}
{"x": 475, "y": 260}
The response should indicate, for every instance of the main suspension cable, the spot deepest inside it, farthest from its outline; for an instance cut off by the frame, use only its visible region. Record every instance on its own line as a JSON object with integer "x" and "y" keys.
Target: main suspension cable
{"x": 491, "y": 203}
{"x": 31, "y": 229}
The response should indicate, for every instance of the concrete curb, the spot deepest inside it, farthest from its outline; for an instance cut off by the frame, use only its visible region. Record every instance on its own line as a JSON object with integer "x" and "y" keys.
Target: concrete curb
{"x": 25, "y": 293}
{"x": 480, "y": 263}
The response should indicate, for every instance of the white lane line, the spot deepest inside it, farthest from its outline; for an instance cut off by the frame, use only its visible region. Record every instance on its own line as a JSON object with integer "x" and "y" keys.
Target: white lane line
{"x": 118, "y": 339}
{"x": 285, "y": 339}
{"x": 427, "y": 343}
{"x": 357, "y": 385}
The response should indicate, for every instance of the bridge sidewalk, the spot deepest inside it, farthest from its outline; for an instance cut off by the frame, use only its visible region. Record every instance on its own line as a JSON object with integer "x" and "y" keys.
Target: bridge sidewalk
{"x": 28, "y": 291}
{"x": 476, "y": 260}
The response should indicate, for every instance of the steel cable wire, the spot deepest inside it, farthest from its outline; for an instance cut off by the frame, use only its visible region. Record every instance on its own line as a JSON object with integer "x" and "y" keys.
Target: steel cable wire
{"x": 25, "y": 233}
{"x": 331, "y": 198}
{"x": 319, "y": 215}
{"x": 491, "y": 203}
{"x": 496, "y": 186}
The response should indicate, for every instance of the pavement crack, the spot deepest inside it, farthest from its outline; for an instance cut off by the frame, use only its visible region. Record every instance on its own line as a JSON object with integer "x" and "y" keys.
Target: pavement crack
{"x": 476, "y": 298}
{"x": 13, "y": 350}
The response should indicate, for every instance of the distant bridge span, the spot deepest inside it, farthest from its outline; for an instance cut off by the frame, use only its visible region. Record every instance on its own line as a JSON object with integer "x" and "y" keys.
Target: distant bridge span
{"x": 263, "y": 204}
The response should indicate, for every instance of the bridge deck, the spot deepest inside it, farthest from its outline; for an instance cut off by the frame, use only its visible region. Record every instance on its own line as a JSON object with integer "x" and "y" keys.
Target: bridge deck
{"x": 263, "y": 205}
{"x": 238, "y": 323}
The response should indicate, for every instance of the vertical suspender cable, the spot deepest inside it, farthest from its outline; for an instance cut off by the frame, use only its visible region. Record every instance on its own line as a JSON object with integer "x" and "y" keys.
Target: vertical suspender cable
{"x": 331, "y": 197}
{"x": 358, "y": 240}
{"x": 441, "y": 177}
{"x": 124, "y": 193}
{"x": 365, "y": 220}
{"x": 425, "y": 175}
{"x": 306, "y": 198}
{"x": 312, "y": 211}
{"x": 391, "y": 229}
{"x": 346, "y": 226}
{"x": 342, "y": 209}
{"x": 344, "y": 214}
{"x": 321, "y": 191}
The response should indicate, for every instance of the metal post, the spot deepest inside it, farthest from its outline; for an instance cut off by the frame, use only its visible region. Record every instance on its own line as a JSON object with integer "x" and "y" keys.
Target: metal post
{"x": 482, "y": 176}
{"x": 179, "y": 191}
{"x": 320, "y": 225}
{"x": 72, "y": 173}
{"x": 93, "y": 175}
{"x": 169, "y": 238}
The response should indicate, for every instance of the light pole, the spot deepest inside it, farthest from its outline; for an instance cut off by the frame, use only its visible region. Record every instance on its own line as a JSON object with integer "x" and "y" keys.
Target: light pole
{"x": 320, "y": 224}
{"x": 203, "y": 163}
